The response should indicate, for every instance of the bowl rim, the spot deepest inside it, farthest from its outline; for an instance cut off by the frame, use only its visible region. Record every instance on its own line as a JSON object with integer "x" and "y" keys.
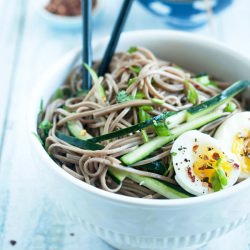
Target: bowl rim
{"x": 38, "y": 148}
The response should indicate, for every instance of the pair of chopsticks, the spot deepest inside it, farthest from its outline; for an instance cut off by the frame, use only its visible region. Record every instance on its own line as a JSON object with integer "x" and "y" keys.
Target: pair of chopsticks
{"x": 87, "y": 35}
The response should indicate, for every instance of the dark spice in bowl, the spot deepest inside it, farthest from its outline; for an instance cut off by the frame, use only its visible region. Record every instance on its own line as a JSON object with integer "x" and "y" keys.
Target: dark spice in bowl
{"x": 66, "y": 7}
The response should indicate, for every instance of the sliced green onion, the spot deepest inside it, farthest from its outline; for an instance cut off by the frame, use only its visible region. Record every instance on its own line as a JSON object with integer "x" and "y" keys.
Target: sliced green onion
{"x": 132, "y": 80}
{"x": 81, "y": 92}
{"x": 215, "y": 181}
{"x": 204, "y": 80}
{"x": 222, "y": 176}
{"x": 221, "y": 173}
{"x": 58, "y": 94}
{"x": 147, "y": 108}
{"x": 139, "y": 95}
{"x": 143, "y": 116}
{"x": 144, "y": 135}
{"x": 99, "y": 88}
{"x": 135, "y": 69}
{"x": 157, "y": 101}
{"x": 45, "y": 127}
{"x": 161, "y": 129}
{"x": 132, "y": 50}
{"x": 191, "y": 92}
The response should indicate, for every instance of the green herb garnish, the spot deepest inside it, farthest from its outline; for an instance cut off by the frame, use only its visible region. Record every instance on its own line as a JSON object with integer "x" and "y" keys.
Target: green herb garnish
{"x": 157, "y": 101}
{"x": 123, "y": 96}
{"x": 143, "y": 116}
{"x": 215, "y": 181}
{"x": 132, "y": 80}
{"x": 81, "y": 92}
{"x": 45, "y": 127}
{"x": 135, "y": 69}
{"x": 144, "y": 135}
{"x": 139, "y": 95}
{"x": 204, "y": 80}
{"x": 132, "y": 50}
{"x": 219, "y": 178}
{"x": 58, "y": 94}
{"x": 147, "y": 108}
{"x": 161, "y": 129}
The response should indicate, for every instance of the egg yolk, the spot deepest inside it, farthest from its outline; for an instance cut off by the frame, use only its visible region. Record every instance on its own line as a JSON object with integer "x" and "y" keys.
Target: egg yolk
{"x": 241, "y": 148}
{"x": 207, "y": 161}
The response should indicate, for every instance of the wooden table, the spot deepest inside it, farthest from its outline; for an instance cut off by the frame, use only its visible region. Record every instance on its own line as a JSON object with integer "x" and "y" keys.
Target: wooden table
{"x": 28, "y": 46}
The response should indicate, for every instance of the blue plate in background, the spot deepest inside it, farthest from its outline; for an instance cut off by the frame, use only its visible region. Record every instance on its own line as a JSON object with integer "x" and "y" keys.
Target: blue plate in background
{"x": 184, "y": 14}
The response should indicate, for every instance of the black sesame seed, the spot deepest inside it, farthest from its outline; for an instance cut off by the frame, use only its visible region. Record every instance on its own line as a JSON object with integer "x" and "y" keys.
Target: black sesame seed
{"x": 13, "y": 242}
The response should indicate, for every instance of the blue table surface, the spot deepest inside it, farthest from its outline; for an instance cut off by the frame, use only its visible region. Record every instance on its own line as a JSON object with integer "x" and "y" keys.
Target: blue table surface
{"x": 28, "y": 46}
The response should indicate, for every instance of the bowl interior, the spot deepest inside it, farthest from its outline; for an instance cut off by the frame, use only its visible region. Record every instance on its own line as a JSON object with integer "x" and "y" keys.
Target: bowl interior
{"x": 191, "y": 52}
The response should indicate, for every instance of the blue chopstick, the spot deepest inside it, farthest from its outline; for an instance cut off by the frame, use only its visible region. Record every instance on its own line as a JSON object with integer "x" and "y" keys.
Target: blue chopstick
{"x": 86, "y": 40}
{"x": 120, "y": 22}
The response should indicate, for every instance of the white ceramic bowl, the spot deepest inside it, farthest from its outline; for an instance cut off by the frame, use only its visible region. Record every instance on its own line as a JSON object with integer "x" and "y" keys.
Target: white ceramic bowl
{"x": 132, "y": 223}
{"x": 66, "y": 22}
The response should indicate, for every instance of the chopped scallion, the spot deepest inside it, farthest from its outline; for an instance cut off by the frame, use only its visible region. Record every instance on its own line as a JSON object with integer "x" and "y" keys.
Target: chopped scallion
{"x": 191, "y": 92}
{"x": 135, "y": 69}
{"x": 132, "y": 80}
{"x": 139, "y": 95}
{"x": 158, "y": 101}
{"x": 132, "y": 50}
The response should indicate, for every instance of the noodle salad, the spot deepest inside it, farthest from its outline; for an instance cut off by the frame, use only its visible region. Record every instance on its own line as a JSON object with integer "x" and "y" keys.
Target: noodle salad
{"x": 147, "y": 128}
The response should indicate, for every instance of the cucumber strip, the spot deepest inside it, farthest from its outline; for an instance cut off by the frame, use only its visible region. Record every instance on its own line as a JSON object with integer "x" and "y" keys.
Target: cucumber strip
{"x": 117, "y": 174}
{"x": 218, "y": 100}
{"x": 175, "y": 118}
{"x": 133, "y": 128}
{"x": 76, "y": 129}
{"x": 167, "y": 190}
{"x": 146, "y": 149}
{"x": 79, "y": 143}
{"x": 99, "y": 88}
{"x": 154, "y": 167}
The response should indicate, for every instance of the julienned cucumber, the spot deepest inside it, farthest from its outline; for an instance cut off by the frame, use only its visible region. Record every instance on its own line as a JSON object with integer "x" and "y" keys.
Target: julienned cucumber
{"x": 174, "y": 118}
{"x": 167, "y": 190}
{"x": 218, "y": 100}
{"x": 159, "y": 141}
{"x": 75, "y": 128}
{"x": 78, "y": 142}
{"x": 98, "y": 86}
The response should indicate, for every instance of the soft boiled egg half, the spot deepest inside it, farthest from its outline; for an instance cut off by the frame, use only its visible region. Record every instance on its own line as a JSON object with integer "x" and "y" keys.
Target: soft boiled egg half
{"x": 235, "y": 134}
{"x": 202, "y": 165}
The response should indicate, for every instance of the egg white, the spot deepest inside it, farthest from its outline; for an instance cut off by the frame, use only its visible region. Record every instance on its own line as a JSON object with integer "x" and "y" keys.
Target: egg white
{"x": 183, "y": 157}
{"x": 238, "y": 123}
